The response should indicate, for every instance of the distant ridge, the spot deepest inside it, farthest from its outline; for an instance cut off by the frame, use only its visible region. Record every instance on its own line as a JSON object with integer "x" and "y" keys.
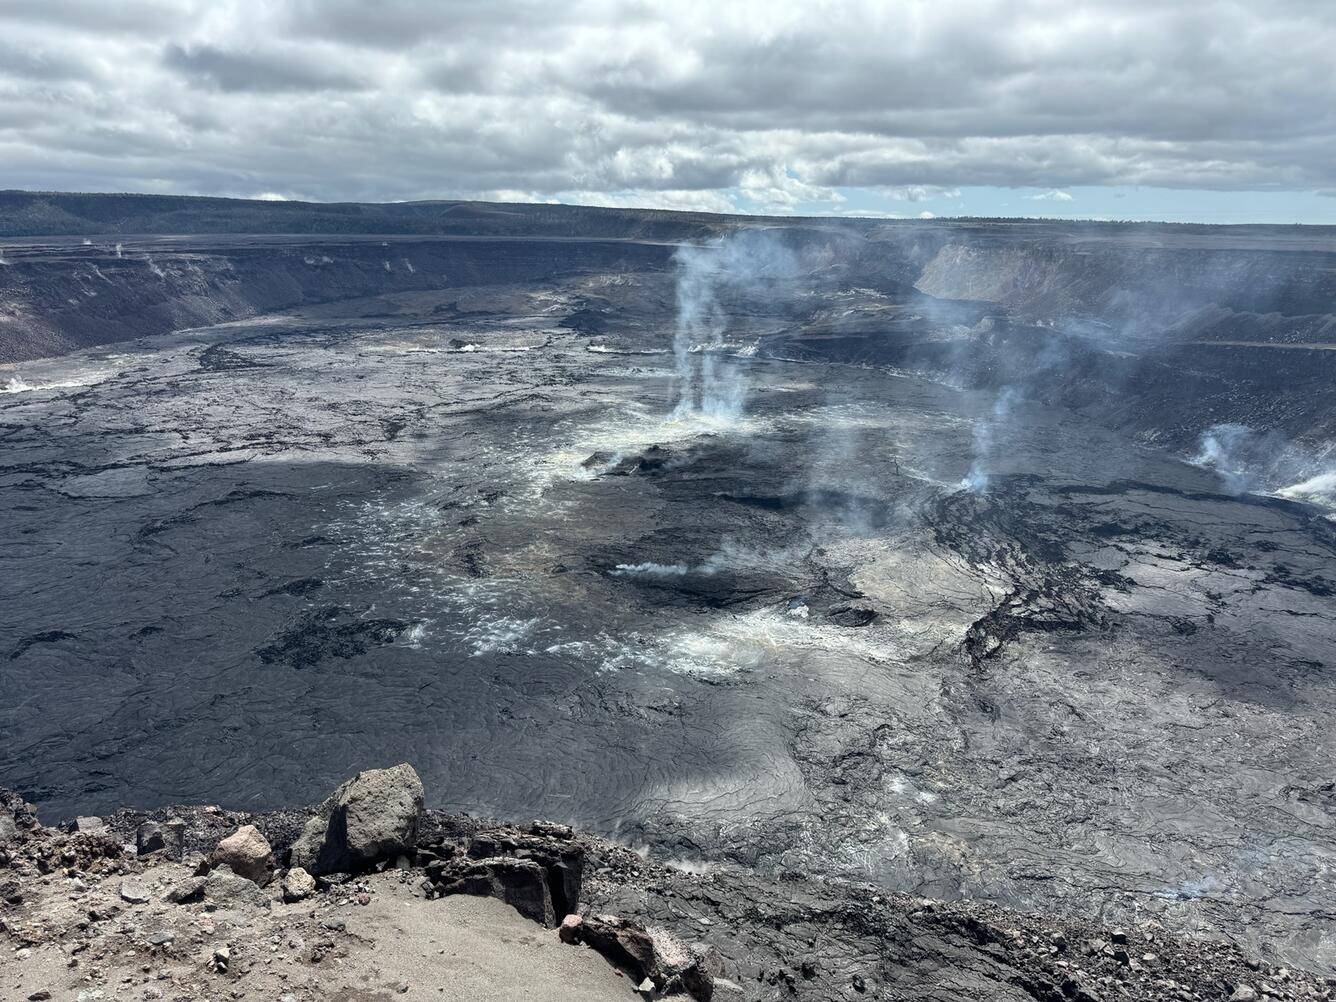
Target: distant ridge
{"x": 73, "y": 214}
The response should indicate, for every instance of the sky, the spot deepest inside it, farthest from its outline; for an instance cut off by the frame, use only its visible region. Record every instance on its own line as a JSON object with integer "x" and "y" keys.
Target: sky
{"x": 1181, "y": 110}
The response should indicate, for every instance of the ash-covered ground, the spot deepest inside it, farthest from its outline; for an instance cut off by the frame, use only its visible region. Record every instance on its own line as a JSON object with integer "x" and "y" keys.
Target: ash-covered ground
{"x": 767, "y": 599}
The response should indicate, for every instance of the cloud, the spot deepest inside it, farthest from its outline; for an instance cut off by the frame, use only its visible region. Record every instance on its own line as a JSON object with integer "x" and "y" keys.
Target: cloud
{"x": 762, "y": 106}
{"x": 1053, "y": 195}
{"x": 273, "y": 72}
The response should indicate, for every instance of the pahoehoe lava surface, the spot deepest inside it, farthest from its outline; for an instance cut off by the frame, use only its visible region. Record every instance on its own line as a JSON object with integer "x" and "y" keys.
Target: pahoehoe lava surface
{"x": 459, "y": 527}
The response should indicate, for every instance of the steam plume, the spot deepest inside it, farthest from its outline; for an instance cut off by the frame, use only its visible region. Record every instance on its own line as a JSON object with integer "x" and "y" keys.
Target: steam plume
{"x": 735, "y": 267}
{"x": 1249, "y": 460}
{"x": 986, "y": 432}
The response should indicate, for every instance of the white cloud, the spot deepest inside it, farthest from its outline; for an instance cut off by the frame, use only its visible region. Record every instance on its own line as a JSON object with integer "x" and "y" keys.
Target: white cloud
{"x": 769, "y": 106}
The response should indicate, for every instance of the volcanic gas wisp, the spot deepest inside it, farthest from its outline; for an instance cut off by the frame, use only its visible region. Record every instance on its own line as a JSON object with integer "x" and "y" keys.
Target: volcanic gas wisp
{"x": 710, "y": 376}
{"x": 989, "y": 430}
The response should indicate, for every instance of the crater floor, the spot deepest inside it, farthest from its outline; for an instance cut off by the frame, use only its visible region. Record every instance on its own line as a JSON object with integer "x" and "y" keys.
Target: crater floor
{"x": 242, "y": 561}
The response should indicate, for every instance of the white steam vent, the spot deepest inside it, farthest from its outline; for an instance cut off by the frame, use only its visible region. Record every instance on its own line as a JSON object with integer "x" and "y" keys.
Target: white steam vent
{"x": 741, "y": 265}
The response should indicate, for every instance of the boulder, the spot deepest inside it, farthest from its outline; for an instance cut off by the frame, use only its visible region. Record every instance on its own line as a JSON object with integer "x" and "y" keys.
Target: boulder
{"x": 149, "y": 838}
{"x": 654, "y": 955}
{"x": 520, "y": 883}
{"x": 248, "y": 854}
{"x": 560, "y": 855}
{"x": 226, "y": 889}
{"x": 167, "y": 838}
{"x": 371, "y": 817}
{"x": 182, "y": 892}
{"x": 9, "y": 831}
{"x": 538, "y": 872}
{"x": 297, "y": 885}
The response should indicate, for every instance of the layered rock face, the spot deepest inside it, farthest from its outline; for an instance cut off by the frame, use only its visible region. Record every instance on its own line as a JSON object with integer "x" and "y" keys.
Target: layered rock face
{"x": 58, "y": 298}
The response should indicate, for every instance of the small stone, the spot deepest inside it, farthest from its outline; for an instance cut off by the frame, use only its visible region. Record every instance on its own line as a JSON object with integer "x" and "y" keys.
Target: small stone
{"x": 364, "y": 899}
{"x": 160, "y": 938}
{"x": 297, "y": 885}
{"x": 1244, "y": 993}
{"x": 134, "y": 890}
{"x": 40, "y": 996}
{"x": 569, "y": 932}
{"x": 222, "y": 956}
{"x": 402, "y": 988}
{"x": 1119, "y": 936}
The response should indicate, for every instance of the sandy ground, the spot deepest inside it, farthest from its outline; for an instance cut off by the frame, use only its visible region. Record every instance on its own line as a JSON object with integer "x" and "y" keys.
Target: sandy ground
{"x": 476, "y": 949}
{"x": 398, "y": 946}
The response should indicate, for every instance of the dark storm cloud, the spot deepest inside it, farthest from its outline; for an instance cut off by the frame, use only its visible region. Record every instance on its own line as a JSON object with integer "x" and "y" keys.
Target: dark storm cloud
{"x": 688, "y": 103}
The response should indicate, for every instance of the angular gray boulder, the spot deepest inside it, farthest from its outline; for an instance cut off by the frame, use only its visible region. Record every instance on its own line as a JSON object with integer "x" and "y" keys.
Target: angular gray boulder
{"x": 225, "y": 889}
{"x": 371, "y": 817}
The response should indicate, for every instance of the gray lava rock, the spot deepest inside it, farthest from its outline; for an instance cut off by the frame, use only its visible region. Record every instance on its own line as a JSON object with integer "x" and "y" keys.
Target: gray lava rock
{"x": 87, "y": 826}
{"x": 190, "y": 889}
{"x": 297, "y": 885}
{"x": 569, "y": 931}
{"x": 653, "y": 958}
{"x": 167, "y": 838}
{"x": 134, "y": 891}
{"x": 624, "y": 943}
{"x": 149, "y": 838}
{"x": 248, "y": 853}
{"x": 9, "y": 832}
{"x": 520, "y": 883}
{"x": 373, "y": 816}
{"x": 226, "y": 889}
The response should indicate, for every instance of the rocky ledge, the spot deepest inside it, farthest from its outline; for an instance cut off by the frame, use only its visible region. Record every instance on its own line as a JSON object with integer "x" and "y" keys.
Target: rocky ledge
{"x": 372, "y": 897}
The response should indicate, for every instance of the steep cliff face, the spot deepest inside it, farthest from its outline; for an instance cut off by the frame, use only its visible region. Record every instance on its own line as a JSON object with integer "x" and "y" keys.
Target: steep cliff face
{"x": 57, "y": 298}
{"x": 1132, "y": 284}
